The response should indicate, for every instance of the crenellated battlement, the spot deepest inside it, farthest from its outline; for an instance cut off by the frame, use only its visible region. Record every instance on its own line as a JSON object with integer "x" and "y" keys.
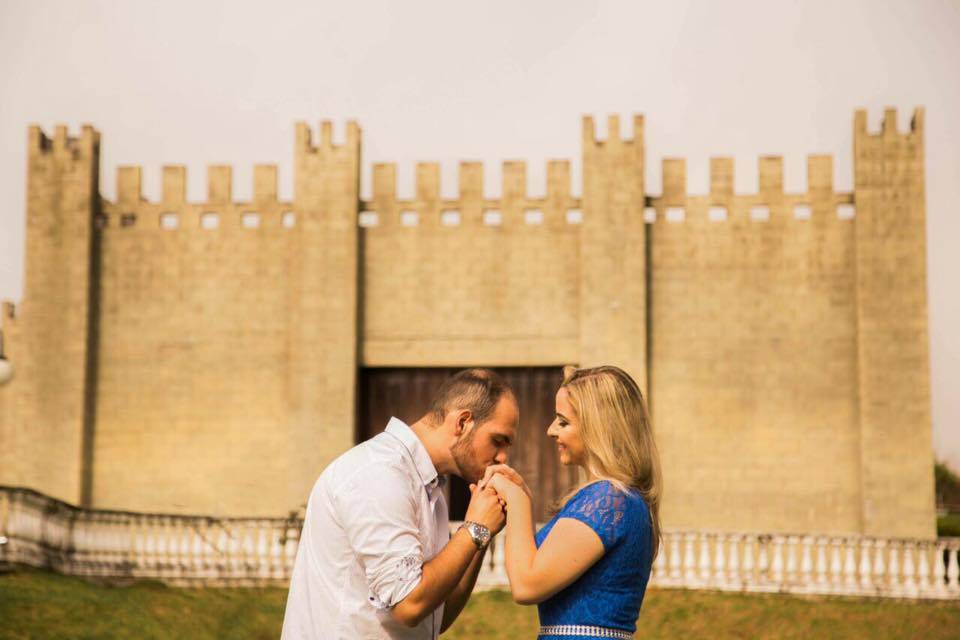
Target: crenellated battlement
{"x": 888, "y": 127}
{"x": 174, "y": 185}
{"x": 514, "y": 207}
{"x": 305, "y": 143}
{"x": 819, "y": 200}
{"x": 614, "y": 134}
{"x": 131, "y": 210}
{"x": 62, "y": 144}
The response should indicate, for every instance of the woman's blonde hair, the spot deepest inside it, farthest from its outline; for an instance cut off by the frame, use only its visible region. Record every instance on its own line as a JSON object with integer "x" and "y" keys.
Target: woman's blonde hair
{"x": 617, "y": 436}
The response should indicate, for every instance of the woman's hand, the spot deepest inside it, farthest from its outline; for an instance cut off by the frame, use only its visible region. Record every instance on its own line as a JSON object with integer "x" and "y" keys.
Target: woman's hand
{"x": 509, "y": 473}
{"x": 508, "y": 490}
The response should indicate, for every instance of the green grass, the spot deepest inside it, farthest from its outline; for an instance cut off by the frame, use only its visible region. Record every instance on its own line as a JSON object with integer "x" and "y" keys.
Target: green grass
{"x": 39, "y": 605}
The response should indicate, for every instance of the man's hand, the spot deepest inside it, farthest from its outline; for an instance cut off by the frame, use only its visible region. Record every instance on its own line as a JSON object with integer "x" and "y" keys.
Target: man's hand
{"x": 485, "y": 508}
{"x": 508, "y": 473}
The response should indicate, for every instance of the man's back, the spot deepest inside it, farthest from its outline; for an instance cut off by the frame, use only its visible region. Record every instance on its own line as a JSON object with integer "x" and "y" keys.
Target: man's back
{"x": 374, "y": 516}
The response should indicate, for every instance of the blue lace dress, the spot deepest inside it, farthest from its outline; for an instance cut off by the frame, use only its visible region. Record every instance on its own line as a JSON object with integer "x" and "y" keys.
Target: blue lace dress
{"x": 609, "y": 593}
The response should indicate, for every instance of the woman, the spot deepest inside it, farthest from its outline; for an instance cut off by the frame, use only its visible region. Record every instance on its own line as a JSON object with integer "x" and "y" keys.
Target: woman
{"x": 587, "y": 568}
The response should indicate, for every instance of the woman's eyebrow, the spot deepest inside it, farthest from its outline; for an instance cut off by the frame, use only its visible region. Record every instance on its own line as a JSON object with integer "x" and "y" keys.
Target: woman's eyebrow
{"x": 562, "y": 417}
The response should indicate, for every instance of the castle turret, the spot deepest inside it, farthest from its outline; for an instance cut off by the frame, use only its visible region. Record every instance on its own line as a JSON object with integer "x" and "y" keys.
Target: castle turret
{"x": 613, "y": 281}
{"x": 323, "y": 305}
{"x": 893, "y": 347}
{"x": 48, "y": 405}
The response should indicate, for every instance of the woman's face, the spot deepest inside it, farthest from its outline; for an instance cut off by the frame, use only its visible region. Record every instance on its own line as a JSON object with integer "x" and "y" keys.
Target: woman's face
{"x": 565, "y": 430}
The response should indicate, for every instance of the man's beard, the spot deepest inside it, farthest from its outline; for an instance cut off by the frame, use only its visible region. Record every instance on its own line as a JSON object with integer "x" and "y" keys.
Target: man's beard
{"x": 464, "y": 454}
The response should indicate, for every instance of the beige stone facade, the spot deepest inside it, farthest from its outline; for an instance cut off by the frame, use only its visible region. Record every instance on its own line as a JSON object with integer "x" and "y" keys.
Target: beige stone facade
{"x": 202, "y": 357}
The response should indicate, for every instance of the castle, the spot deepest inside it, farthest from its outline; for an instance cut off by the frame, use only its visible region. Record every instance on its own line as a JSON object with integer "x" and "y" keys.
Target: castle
{"x": 204, "y": 357}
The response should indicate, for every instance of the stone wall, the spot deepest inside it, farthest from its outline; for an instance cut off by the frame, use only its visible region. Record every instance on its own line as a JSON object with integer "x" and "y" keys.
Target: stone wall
{"x": 202, "y": 357}
{"x": 754, "y": 378}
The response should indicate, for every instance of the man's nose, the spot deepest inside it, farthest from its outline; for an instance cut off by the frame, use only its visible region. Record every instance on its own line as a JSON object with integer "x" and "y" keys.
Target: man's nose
{"x": 501, "y": 458}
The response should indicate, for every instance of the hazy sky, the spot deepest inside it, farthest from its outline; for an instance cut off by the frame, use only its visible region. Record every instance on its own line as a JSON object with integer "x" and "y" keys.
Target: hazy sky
{"x": 223, "y": 82}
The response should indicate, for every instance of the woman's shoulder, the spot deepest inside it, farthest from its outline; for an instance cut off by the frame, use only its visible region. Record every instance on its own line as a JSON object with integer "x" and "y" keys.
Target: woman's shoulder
{"x": 607, "y": 495}
{"x": 607, "y": 508}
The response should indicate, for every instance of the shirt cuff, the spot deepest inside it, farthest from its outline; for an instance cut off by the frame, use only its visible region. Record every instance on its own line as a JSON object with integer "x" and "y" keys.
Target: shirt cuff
{"x": 395, "y": 582}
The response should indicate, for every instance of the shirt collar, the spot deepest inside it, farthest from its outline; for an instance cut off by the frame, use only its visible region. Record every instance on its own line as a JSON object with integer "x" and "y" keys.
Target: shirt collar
{"x": 421, "y": 459}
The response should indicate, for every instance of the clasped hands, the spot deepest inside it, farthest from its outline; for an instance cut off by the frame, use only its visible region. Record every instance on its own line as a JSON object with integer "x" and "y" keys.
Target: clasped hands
{"x": 500, "y": 487}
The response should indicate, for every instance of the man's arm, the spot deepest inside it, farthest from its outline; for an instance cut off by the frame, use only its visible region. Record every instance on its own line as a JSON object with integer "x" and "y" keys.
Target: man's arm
{"x": 443, "y": 573}
{"x": 457, "y": 599}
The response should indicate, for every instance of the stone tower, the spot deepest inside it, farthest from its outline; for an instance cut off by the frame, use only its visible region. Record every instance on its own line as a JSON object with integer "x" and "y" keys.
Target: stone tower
{"x": 613, "y": 239}
{"x": 323, "y": 312}
{"x": 893, "y": 346}
{"x": 54, "y": 402}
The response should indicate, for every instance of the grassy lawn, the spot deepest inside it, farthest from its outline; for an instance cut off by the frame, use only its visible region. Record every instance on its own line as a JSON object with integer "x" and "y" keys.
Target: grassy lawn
{"x": 35, "y": 604}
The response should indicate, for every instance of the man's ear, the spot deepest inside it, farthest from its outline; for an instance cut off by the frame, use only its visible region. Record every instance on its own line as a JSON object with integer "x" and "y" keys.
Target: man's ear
{"x": 464, "y": 421}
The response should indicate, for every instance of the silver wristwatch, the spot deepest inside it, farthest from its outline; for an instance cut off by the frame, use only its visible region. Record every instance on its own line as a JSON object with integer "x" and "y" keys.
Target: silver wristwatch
{"x": 479, "y": 533}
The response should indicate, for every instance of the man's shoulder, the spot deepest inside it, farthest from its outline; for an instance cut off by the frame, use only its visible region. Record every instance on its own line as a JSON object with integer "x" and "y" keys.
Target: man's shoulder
{"x": 377, "y": 457}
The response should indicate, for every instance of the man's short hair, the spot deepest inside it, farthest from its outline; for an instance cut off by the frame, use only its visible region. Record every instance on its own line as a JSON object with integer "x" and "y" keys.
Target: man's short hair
{"x": 476, "y": 390}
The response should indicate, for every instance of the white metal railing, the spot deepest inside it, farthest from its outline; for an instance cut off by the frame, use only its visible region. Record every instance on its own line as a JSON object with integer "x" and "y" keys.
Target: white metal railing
{"x": 190, "y": 550}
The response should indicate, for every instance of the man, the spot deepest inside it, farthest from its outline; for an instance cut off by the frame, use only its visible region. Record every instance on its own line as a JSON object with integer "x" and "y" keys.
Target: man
{"x": 376, "y": 559}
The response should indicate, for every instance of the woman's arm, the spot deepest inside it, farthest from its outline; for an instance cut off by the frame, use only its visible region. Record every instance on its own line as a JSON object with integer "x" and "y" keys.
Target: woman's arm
{"x": 570, "y": 549}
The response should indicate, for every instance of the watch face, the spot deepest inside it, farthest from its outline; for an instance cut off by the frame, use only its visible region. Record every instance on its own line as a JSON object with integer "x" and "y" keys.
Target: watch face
{"x": 479, "y": 533}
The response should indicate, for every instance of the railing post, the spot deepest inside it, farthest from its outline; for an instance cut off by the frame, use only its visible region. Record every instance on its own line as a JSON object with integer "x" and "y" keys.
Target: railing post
{"x": 923, "y": 567}
{"x": 735, "y": 580}
{"x": 836, "y": 565}
{"x": 778, "y": 562}
{"x": 894, "y": 569}
{"x": 909, "y": 569}
{"x": 719, "y": 561}
{"x": 763, "y": 563}
{"x": 791, "y": 570}
{"x": 939, "y": 570}
{"x": 703, "y": 563}
{"x": 879, "y": 569}
{"x": 850, "y": 566}
{"x": 866, "y": 575}
{"x": 822, "y": 582}
{"x": 689, "y": 559}
{"x": 806, "y": 563}
{"x": 675, "y": 557}
{"x": 953, "y": 566}
{"x": 749, "y": 544}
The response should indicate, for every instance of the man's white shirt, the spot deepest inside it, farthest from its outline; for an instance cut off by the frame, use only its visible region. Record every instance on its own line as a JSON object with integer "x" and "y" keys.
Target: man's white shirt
{"x": 374, "y": 517}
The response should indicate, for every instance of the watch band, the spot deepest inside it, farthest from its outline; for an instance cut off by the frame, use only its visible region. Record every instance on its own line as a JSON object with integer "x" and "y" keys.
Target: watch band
{"x": 478, "y": 533}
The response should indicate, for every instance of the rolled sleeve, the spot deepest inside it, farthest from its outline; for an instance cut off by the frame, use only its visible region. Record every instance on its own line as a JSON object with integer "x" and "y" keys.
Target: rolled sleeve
{"x": 379, "y": 511}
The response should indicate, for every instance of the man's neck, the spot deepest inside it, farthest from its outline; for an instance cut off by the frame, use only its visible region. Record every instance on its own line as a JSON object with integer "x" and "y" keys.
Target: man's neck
{"x": 430, "y": 437}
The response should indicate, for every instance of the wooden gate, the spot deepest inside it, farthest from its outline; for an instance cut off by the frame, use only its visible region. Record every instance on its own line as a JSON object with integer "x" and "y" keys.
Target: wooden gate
{"x": 406, "y": 393}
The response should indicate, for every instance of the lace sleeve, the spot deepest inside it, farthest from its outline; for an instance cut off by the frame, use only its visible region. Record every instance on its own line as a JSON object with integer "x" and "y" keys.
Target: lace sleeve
{"x": 602, "y": 507}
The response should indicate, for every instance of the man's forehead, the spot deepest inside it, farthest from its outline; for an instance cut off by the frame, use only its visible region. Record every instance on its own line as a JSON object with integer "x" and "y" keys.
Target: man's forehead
{"x": 510, "y": 406}
{"x": 505, "y": 423}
